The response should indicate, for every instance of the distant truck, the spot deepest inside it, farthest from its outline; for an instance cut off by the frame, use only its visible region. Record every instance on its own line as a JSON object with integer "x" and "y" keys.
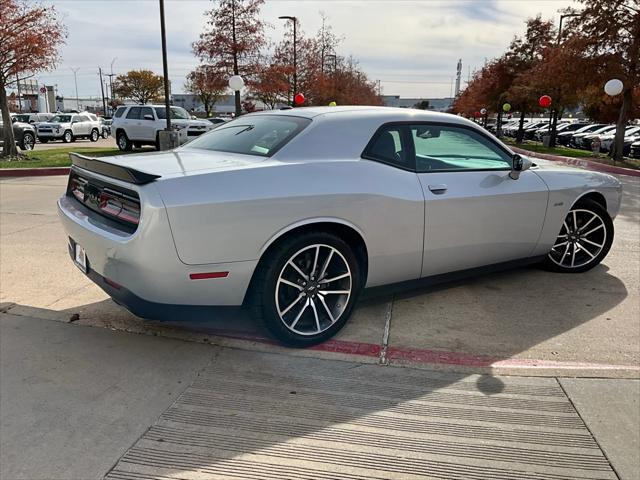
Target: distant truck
{"x": 70, "y": 126}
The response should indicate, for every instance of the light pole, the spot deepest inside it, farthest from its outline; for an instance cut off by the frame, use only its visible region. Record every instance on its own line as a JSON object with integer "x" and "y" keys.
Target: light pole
{"x": 295, "y": 62}
{"x": 165, "y": 67}
{"x": 75, "y": 79}
{"x": 566, "y": 15}
{"x": 111, "y": 75}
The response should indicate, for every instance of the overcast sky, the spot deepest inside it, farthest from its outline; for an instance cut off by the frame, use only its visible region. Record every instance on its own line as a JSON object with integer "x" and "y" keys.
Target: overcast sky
{"x": 411, "y": 46}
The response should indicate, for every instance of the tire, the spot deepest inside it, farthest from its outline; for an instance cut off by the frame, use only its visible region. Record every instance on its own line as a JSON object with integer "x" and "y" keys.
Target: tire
{"x": 299, "y": 313}
{"x": 577, "y": 252}
{"x": 28, "y": 141}
{"x": 68, "y": 137}
{"x": 43, "y": 140}
{"x": 94, "y": 135}
{"x": 124, "y": 144}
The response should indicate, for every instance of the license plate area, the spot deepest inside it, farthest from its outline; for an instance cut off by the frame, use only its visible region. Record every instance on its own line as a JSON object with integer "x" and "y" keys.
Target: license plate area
{"x": 79, "y": 255}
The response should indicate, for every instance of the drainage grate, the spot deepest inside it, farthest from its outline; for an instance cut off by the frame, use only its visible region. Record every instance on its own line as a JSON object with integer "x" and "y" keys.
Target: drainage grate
{"x": 265, "y": 416}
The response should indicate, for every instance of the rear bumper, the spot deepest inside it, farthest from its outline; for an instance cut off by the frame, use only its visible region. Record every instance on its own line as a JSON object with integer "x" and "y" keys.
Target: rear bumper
{"x": 146, "y": 266}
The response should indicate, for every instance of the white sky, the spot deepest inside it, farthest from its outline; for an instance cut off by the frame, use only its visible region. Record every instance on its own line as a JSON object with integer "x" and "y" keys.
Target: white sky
{"x": 411, "y": 46}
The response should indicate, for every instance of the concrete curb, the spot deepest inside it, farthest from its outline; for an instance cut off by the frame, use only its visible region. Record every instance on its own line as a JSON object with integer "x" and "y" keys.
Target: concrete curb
{"x": 33, "y": 172}
{"x": 579, "y": 162}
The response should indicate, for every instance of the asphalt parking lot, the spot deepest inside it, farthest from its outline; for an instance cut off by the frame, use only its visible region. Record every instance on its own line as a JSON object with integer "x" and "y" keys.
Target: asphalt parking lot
{"x": 520, "y": 321}
{"x": 108, "y": 142}
{"x": 83, "y": 402}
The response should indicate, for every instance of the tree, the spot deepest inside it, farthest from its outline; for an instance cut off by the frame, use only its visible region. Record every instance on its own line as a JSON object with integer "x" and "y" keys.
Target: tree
{"x": 271, "y": 85}
{"x": 612, "y": 32}
{"x": 30, "y": 37}
{"x": 232, "y": 40}
{"x": 207, "y": 84}
{"x": 139, "y": 85}
{"x": 422, "y": 105}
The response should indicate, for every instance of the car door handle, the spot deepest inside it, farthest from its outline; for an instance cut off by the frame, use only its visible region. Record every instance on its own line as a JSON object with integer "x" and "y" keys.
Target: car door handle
{"x": 438, "y": 189}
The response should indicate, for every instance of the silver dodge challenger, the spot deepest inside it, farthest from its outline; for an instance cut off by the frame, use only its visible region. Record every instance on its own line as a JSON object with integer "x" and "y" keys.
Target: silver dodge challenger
{"x": 293, "y": 213}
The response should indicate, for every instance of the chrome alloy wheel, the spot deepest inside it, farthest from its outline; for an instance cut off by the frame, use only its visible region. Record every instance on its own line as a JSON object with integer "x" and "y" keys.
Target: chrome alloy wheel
{"x": 313, "y": 289}
{"x": 582, "y": 238}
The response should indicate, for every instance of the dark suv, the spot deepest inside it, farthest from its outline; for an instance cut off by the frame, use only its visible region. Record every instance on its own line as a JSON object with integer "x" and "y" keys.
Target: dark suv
{"x": 24, "y": 134}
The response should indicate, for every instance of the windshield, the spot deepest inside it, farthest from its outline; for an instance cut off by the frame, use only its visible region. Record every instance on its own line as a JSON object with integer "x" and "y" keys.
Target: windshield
{"x": 61, "y": 119}
{"x": 254, "y": 135}
{"x": 176, "y": 112}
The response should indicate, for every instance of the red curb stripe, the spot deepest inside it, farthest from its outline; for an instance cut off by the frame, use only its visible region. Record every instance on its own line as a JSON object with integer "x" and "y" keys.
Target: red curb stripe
{"x": 33, "y": 172}
{"x": 579, "y": 162}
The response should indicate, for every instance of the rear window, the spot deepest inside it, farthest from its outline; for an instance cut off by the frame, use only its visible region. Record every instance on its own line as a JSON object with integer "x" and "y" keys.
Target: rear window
{"x": 260, "y": 135}
{"x": 120, "y": 111}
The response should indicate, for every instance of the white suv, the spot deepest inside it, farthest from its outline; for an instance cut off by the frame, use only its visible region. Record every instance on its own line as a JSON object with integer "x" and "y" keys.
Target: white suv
{"x": 137, "y": 125}
{"x": 70, "y": 126}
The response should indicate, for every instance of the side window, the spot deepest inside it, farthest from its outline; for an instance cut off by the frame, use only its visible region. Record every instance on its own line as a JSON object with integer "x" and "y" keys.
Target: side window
{"x": 146, "y": 111}
{"x": 134, "y": 113}
{"x": 76, "y": 118}
{"x": 388, "y": 146}
{"x": 451, "y": 148}
{"x": 84, "y": 118}
{"x": 119, "y": 112}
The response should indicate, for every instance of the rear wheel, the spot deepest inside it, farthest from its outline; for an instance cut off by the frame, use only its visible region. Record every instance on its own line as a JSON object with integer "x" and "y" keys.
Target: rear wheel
{"x": 584, "y": 239}
{"x": 306, "y": 290}
{"x": 124, "y": 144}
{"x": 28, "y": 141}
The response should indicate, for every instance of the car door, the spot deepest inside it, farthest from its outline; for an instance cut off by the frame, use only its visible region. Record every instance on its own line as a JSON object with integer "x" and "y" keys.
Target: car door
{"x": 475, "y": 213}
{"x": 147, "y": 124}
{"x": 86, "y": 123}
{"x": 133, "y": 123}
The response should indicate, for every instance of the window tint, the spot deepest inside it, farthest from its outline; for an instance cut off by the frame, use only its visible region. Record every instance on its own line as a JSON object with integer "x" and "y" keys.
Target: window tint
{"x": 84, "y": 118}
{"x": 146, "y": 111}
{"x": 176, "y": 112}
{"x": 76, "y": 118}
{"x": 119, "y": 112}
{"x": 253, "y": 135}
{"x": 388, "y": 147}
{"x": 134, "y": 113}
{"x": 446, "y": 147}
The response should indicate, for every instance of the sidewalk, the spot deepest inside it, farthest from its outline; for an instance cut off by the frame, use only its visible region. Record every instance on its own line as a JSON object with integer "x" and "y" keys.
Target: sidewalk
{"x": 82, "y": 402}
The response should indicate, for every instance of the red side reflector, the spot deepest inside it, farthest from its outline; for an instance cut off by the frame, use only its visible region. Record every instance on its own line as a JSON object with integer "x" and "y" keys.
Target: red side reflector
{"x": 204, "y": 276}
{"x": 111, "y": 283}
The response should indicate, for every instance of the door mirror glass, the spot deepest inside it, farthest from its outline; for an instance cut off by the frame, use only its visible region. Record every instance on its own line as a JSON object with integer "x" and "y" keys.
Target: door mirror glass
{"x": 425, "y": 131}
{"x": 520, "y": 164}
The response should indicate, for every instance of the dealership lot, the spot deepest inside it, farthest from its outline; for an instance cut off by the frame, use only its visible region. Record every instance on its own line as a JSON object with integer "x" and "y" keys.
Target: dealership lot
{"x": 77, "y": 401}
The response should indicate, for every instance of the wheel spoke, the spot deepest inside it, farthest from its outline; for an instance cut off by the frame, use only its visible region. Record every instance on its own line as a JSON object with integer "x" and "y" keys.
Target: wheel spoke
{"x": 575, "y": 220}
{"x": 566, "y": 250}
{"x": 297, "y": 269}
{"x": 338, "y": 277}
{"x": 560, "y": 244}
{"x": 593, "y": 230}
{"x": 286, "y": 310}
{"x": 291, "y": 284}
{"x": 326, "y": 308}
{"x": 326, "y": 264}
{"x": 315, "y": 262}
{"x": 573, "y": 255}
{"x": 585, "y": 250}
{"x": 566, "y": 227}
{"x": 593, "y": 217}
{"x": 315, "y": 314}
{"x": 295, "y": 321}
{"x": 333, "y": 292}
{"x": 592, "y": 243}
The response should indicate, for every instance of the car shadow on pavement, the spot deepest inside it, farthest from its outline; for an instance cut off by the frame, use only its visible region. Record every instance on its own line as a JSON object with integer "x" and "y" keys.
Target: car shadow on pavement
{"x": 253, "y": 414}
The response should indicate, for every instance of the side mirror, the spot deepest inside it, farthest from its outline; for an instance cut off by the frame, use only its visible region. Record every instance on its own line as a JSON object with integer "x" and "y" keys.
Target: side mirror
{"x": 148, "y": 117}
{"x": 519, "y": 165}
{"x": 14, "y": 119}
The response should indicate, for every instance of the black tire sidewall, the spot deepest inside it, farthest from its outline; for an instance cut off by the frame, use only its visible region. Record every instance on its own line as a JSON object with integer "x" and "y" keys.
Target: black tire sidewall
{"x": 94, "y": 136}
{"x": 127, "y": 145}
{"x": 595, "y": 207}
{"x": 279, "y": 257}
{"x": 64, "y": 137}
{"x": 23, "y": 144}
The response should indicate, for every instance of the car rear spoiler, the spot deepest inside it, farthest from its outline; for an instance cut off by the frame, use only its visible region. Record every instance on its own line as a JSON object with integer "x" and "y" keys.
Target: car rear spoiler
{"x": 120, "y": 172}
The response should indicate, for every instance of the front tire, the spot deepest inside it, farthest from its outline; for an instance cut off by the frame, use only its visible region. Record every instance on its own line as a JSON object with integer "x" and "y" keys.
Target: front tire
{"x": 94, "y": 135}
{"x": 584, "y": 239}
{"x": 67, "y": 137}
{"x": 307, "y": 288}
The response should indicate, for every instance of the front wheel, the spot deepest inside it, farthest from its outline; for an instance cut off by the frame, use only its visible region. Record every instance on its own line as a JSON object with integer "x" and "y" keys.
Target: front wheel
{"x": 584, "y": 239}
{"x": 307, "y": 289}
{"x": 68, "y": 137}
{"x": 94, "y": 135}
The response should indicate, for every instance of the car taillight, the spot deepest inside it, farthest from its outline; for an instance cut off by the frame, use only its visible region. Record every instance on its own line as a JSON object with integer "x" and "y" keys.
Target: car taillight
{"x": 77, "y": 187}
{"x": 120, "y": 206}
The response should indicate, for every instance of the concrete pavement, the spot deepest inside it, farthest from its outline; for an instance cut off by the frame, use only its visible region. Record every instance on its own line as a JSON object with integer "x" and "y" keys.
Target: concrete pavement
{"x": 525, "y": 321}
{"x": 81, "y": 403}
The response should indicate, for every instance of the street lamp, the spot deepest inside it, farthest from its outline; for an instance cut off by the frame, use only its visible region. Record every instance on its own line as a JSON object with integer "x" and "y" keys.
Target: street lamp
{"x": 566, "y": 15}
{"x": 295, "y": 63}
{"x": 75, "y": 79}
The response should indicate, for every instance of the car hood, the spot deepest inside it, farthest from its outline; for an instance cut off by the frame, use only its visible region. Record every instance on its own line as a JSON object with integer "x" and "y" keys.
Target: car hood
{"x": 186, "y": 161}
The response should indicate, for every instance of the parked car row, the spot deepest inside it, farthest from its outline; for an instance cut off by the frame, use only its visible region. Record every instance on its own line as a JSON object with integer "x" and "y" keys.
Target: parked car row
{"x": 587, "y": 136}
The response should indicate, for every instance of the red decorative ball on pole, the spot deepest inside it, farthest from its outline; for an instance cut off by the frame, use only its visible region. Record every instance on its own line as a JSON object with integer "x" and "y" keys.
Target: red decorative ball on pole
{"x": 299, "y": 99}
{"x": 477, "y": 114}
{"x": 545, "y": 101}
